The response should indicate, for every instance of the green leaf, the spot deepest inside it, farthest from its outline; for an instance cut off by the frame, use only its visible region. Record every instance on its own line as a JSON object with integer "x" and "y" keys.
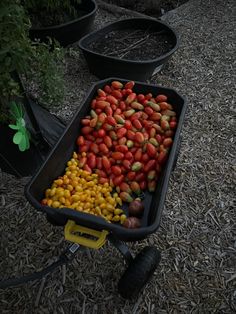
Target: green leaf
{"x": 17, "y": 138}
{"x": 22, "y": 144}
{"x": 13, "y": 127}
{"x": 16, "y": 110}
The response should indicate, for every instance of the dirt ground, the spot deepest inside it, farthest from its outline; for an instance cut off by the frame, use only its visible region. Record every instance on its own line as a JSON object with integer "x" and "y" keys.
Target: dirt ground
{"x": 197, "y": 237}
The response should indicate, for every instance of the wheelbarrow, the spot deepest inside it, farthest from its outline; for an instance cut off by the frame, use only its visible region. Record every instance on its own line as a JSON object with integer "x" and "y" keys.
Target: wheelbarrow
{"x": 92, "y": 231}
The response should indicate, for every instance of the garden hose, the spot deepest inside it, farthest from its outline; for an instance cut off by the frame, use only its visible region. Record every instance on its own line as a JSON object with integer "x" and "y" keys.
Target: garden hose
{"x": 64, "y": 258}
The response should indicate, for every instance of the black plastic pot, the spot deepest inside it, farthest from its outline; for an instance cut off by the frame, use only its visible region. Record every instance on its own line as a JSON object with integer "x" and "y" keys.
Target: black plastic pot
{"x": 106, "y": 66}
{"x": 70, "y": 32}
{"x": 15, "y": 162}
{"x": 56, "y": 162}
{"x": 44, "y": 128}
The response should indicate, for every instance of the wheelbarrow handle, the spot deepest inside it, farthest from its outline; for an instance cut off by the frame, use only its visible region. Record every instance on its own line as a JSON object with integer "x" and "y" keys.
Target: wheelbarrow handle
{"x": 71, "y": 228}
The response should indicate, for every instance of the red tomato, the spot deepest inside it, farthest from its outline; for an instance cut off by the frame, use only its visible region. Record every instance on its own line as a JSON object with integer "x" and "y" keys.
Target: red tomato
{"x": 103, "y": 148}
{"x": 83, "y": 148}
{"x": 98, "y": 111}
{"x": 108, "y": 141}
{"x": 148, "y": 110}
{"x": 110, "y": 120}
{"x": 99, "y": 163}
{"x": 101, "y": 133}
{"x": 91, "y": 161}
{"x": 133, "y": 150}
{"x": 90, "y": 137}
{"x": 107, "y": 89}
{"x": 118, "y": 111}
{"x": 130, "y": 135}
{"x": 112, "y": 100}
{"x": 102, "y": 104}
{"x": 137, "y": 124}
{"x": 149, "y": 165}
{"x": 128, "y": 155}
{"x": 113, "y": 107}
{"x": 143, "y": 185}
{"x": 140, "y": 176}
{"x": 148, "y": 96}
{"x": 129, "y": 85}
{"x": 125, "y": 187}
{"x": 145, "y": 157}
{"x": 128, "y": 91}
{"x": 87, "y": 168}
{"x": 152, "y": 132}
{"x": 151, "y": 150}
{"x": 103, "y": 180}
{"x": 118, "y": 155}
{"x": 106, "y": 162}
{"x": 136, "y": 115}
{"x": 117, "y": 94}
{"x": 161, "y": 98}
{"x": 138, "y": 154}
{"x": 93, "y": 103}
{"x": 101, "y": 93}
{"x": 159, "y": 138}
{"x": 139, "y": 137}
{"x": 118, "y": 180}
{"x": 80, "y": 140}
{"x": 99, "y": 140}
{"x": 121, "y": 132}
{"x": 173, "y": 124}
{"x": 128, "y": 124}
{"x": 116, "y": 170}
{"x": 86, "y": 130}
{"x": 167, "y": 142}
{"x": 122, "y": 141}
{"x": 122, "y": 106}
{"x": 94, "y": 148}
{"x": 127, "y": 164}
{"x": 85, "y": 122}
{"x": 162, "y": 157}
{"x": 108, "y": 111}
{"x": 131, "y": 175}
{"x": 141, "y": 97}
{"x": 122, "y": 148}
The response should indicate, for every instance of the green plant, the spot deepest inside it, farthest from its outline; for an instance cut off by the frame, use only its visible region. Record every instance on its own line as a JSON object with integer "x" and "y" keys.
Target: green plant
{"x": 19, "y": 54}
{"x": 22, "y": 135}
{"x": 15, "y": 49}
{"x": 50, "y": 12}
{"x": 49, "y": 5}
{"x": 47, "y": 72}
{"x": 35, "y": 60}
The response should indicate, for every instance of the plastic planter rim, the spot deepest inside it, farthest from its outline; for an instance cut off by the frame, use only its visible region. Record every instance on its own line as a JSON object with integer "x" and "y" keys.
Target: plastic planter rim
{"x": 70, "y": 22}
{"x": 128, "y": 60}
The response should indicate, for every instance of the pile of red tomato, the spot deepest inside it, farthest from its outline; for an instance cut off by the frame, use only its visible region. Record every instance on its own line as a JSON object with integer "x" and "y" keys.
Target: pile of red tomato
{"x": 126, "y": 138}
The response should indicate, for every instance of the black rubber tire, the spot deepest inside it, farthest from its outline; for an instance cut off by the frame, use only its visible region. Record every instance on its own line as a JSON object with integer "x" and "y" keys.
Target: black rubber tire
{"x": 138, "y": 273}
{"x": 56, "y": 220}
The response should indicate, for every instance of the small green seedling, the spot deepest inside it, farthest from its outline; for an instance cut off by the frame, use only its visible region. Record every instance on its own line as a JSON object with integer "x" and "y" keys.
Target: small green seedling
{"x": 22, "y": 136}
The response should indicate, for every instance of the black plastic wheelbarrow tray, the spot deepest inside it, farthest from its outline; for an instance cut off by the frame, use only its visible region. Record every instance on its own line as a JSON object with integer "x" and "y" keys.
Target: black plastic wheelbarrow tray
{"x": 145, "y": 262}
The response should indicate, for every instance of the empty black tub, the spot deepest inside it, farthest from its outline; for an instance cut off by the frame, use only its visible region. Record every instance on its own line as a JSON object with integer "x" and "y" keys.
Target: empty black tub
{"x": 103, "y": 65}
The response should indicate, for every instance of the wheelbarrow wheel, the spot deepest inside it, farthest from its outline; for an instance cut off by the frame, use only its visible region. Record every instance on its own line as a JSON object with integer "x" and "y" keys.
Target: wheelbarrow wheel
{"x": 138, "y": 273}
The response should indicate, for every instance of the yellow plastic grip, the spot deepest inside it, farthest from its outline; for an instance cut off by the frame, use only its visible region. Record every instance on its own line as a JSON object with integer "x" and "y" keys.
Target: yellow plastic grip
{"x": 71, "y": 227}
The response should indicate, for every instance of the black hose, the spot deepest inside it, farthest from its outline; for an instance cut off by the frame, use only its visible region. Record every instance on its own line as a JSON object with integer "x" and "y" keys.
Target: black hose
{"x": 63, "y": 259}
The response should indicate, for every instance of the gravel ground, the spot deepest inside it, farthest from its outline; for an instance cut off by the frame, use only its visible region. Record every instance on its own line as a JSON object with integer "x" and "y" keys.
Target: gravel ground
{"x": 197, "y": 235}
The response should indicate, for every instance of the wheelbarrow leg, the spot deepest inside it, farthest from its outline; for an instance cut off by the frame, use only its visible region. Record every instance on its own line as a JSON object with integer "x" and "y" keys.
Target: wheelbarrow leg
{"x": 122, "y": 248}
